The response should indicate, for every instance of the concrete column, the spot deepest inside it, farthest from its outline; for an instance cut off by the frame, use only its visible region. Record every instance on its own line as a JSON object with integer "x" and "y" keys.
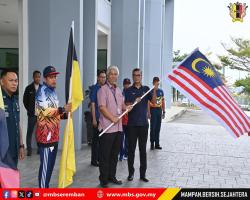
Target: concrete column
{"x": 89, "y": 42}
{"x": 23, "y": 60}
{"x": 125, "y": 34}
{"x": 89, "y": 52}
{"x": 153, "y": 40}
{"x": 62, "y": 12}
{"x": 168, "y": 49}
{"x": 142, "y": 34}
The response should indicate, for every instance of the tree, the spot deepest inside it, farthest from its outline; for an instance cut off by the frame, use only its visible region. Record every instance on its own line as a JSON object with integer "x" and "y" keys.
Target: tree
{"x": 238, "y": 56}
{"x": 245, "y": 83}
{"x": 178, "y": 57}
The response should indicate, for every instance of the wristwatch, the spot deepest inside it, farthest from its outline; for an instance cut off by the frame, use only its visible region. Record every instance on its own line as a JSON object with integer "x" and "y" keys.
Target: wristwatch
{"x": 21, "y": 146}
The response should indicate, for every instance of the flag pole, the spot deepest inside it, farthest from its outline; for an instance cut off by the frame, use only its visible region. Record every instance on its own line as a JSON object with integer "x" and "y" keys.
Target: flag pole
{"x": 125, "y": 112}
{"x": 69, "y": 113}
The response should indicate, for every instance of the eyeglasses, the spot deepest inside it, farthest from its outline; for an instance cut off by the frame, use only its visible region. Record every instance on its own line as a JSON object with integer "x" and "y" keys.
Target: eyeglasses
{"x": 138, "y": 75}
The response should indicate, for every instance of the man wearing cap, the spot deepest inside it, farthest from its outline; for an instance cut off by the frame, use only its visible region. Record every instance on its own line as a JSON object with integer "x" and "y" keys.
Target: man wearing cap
{"x": 157, "y": 113}
{"x": 48, "y": 124}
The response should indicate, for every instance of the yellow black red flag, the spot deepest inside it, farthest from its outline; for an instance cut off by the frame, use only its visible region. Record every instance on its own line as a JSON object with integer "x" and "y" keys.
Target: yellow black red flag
{"x": 74, "y": 95}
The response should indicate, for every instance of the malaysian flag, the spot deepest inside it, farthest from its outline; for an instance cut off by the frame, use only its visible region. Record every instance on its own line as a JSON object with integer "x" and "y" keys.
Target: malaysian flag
{"x": 198, "y": 80}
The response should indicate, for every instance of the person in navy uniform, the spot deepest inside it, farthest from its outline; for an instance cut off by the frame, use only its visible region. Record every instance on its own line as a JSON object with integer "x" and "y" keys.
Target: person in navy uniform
{"x": 157, "y": 113}
{"x": 95, "y": 149}
{"x": 138, "y": 123}
{"x": 124, "y": 137}
{"x": 9, "y": 83}
{"x": 29, "y": 103}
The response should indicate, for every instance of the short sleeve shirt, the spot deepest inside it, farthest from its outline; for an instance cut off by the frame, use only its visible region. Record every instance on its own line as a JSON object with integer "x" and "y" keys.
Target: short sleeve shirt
{"x": 159, "y": 99}
{"x": 138, "y": 115}
{"x": 113, "y": 100}
{"x": 93, "y": 99}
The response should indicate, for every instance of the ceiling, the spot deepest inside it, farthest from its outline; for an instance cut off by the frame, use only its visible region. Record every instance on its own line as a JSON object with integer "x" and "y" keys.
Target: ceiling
{"x": 8, "y": 17}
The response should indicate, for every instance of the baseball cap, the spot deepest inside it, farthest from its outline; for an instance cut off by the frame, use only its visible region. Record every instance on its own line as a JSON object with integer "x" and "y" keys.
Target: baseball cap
{"x": 156, "y": 79}
{"x": 49, "y": 70}
{"x": 126, "y": 81}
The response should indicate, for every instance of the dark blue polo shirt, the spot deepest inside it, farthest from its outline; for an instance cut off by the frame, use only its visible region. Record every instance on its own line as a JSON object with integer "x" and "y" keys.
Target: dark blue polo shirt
{"x": 138, "y": 115}
{"x": 12, "y": 113}
{"x": 93, "y": 99}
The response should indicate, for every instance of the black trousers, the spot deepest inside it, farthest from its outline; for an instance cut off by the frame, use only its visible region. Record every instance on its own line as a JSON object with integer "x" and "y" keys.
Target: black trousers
{"x": 110, "y": 147}
{"x": 140, "y": 133}
{"x": 95, "y": 146}
{"x": 155, "y": 125}
{"x": 31, "y": 124}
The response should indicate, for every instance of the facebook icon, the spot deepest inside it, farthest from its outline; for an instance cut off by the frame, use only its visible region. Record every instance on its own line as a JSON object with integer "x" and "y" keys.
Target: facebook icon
{"x": 6, "y": 194}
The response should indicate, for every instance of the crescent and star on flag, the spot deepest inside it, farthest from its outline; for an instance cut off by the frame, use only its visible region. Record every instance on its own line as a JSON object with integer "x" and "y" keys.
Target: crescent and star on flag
{"x": 207, "y": 70}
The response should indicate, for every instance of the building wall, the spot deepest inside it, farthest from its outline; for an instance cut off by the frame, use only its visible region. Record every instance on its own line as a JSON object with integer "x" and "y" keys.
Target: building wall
{"x": 104, "y": 13}
{"x": 153, "y": 40}
{"x": 8, "y": 41}
{"x": 142, "y": 34}
{"x": 167, "y": 58}
{"x": 125, "y": 36}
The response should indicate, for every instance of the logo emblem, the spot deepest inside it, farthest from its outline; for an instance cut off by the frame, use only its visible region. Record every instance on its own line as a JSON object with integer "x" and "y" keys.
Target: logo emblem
{"x": 100, "y": 194}
{"x": 29, "y": 194}
{"x": 6, "y": 194}
{"x": 237, "y": 11}
{"x": 21, "y": 194}
{"x": 14, "y": 194}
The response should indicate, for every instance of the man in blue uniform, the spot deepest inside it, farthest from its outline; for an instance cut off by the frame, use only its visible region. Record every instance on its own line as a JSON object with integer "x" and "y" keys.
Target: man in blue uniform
{"x": 9, "y": 83}
{"x": 157, "y": 113}
{"x": 101, "y": 80}
{"x": 138, "y": 123}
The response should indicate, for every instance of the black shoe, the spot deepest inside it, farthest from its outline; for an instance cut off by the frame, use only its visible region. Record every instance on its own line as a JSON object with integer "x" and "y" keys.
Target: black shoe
{"x": 144, "y": 179}
{"x": 115, "y": 181}
{"x": 152, "y": 147}
{"x": 95, "y": 163}
{"x": 130, "y": 177}
{"x": 29, "y": 152}
{"x": 104, "y": 184}
{"x": 158, "y": 147}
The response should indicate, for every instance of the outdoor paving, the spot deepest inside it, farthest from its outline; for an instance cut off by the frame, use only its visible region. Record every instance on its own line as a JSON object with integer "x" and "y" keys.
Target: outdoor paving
{"x": 197, "y": 152}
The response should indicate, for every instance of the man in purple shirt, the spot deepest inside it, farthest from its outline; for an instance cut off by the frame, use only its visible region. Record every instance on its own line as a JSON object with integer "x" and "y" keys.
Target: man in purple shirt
{"x": 111, "y": 105}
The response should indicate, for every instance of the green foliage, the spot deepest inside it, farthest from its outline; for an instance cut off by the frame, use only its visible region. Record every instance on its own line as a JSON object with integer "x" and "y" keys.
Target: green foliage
{"x": 238, "y": 55}
{"x": 244, "y": 82}
{"x": 178, "y": 57}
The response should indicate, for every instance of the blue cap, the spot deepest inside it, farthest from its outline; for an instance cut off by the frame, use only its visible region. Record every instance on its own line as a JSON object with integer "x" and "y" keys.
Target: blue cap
{"x": 49, "y": 70}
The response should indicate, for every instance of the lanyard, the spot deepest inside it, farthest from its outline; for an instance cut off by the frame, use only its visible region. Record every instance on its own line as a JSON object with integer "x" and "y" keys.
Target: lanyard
{"x": 113, "y": 92}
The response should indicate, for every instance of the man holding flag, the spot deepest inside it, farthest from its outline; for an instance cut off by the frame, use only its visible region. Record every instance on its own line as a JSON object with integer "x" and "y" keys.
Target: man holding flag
{"x": 74, "y": 95}
{"x": 48, "y": 124}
